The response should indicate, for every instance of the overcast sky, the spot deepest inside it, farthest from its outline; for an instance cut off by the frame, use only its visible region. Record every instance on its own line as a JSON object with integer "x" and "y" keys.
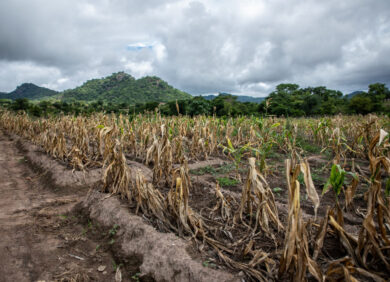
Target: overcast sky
{"x": 241, "y": 47}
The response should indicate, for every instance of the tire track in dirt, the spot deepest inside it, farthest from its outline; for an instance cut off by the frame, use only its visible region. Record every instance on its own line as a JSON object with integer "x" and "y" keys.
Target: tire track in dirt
{"x": 40, "y": 238}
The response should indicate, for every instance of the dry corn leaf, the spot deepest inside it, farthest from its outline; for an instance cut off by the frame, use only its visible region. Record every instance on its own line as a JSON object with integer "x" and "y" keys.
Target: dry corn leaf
{"x": 310, "y": 188}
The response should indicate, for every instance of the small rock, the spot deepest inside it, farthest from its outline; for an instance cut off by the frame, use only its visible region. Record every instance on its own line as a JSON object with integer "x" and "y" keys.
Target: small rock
{"x": 101, "y": 268}
{"x": 104, "y": 272}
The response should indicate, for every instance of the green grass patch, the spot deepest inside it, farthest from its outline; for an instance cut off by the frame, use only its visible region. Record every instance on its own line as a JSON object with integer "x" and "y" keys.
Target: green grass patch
{"x": 308, "y": 146}
{"x": 225, "y": 181}
{"x": 317, "y": 178}
{"x": 203, "y": 170}
{"x": 223, "y": 169}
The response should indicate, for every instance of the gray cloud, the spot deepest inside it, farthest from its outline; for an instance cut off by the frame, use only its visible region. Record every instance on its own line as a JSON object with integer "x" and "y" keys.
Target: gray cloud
{"x": 243, "y": 47}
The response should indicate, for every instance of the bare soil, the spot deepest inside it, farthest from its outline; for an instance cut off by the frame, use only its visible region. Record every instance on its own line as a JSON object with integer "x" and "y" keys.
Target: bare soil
{"x": 42, "y": 238}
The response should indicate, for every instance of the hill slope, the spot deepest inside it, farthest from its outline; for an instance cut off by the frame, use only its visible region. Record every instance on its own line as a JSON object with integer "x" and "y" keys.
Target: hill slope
{"x": 351, "y": 95}
{"x": 29, "y": 91}
{"x": 240, "y": 98}
{"x": 121, "y": 87}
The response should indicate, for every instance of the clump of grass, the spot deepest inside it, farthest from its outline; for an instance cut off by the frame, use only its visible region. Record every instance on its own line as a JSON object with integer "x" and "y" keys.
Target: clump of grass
{"x": 223, "y": 169}
{"x": 308, "y": 147}
{"x": 203, "y": 170}
{"x": 226, "y": 181}
{"x": 317, "y": 178}
{"x": 277, "y": 190}
{"x": 226, "y": 168}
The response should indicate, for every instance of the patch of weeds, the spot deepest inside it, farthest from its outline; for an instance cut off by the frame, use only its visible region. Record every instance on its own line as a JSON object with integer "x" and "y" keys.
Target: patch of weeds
{"x": 113, "y": 230}
{"x": 311, "y": 148}
{"x": 274, "y": 155}
{"x": 115, "y": 266}
{"x": 63, "y": 216}
{"x": 136, "y": 277}
{"x": 207, "y": 263}
{"x": 89, "y": 227}
{"x": 277, "y": 190}
{"x": 225, "y": 181}
{"x": 97, "y": 247}
{"x": 316, "y": 177}
{"x": 203, "y": 170}
{"x": 225, "y": 168}
{"x": 308, "y": 147}
{"x": 281, "y": 169}
{"x": 301, "y": 179}
{"x": 85, "y": 230}
{"x": 328, "y": 153}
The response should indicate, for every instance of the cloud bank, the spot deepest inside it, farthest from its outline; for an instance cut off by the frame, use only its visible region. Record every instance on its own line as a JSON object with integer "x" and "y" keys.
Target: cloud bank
{"x": 243, "y": 47}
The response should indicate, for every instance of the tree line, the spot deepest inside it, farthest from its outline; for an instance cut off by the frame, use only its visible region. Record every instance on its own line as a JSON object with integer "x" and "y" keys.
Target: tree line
{"x": 286, "y": 100}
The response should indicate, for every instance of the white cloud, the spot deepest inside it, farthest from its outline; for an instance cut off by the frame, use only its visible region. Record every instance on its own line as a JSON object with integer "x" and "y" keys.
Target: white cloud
{"x": 246, "y": 46}
{"x": 139, "y": 69}
{"x": 21, "y": 72}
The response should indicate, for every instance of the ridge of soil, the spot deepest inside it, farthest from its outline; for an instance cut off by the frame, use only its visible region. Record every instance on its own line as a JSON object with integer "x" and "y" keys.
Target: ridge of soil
{"x": 163, "y": 256}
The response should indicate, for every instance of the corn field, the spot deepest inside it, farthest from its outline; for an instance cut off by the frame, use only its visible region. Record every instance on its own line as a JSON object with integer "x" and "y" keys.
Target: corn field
{"x": 311, "y": 199}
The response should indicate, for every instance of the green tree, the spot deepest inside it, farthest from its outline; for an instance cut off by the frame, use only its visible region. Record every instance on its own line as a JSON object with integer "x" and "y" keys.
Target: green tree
{"x": 361, "y": 104}
{"x": 378, "y": 92}
{"x": 199, "y": 106}
{"x": 20, "y": 105}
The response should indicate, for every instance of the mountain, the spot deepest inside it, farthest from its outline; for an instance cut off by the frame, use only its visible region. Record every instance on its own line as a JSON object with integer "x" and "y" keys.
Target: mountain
{"x": 121, "y": 87}
{"x": 240, "y": 98}
{"x": 350, "y": 95}
{"x": 117, "y": 88}
{"x": 29, "y": 91}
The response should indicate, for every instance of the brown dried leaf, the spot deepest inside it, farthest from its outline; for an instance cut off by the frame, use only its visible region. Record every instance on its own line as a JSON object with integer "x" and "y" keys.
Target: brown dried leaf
{"x": 310, "y": 188}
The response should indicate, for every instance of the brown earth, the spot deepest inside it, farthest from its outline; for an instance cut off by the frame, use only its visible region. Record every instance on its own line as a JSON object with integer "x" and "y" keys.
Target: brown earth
{"x": 40, "y": 239}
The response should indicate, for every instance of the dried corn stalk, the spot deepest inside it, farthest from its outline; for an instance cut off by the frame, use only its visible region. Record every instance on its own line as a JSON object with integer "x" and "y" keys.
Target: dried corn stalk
{"x": 149, "y": 199}
{"x": 343, "y": 269}
{"x": 374, "y": 239}
{"x": 177, "y": 206}
{"x": 160, "y": 153}
{"x": 222, "y": 204}
{"x": 117, "y": 175}
{"x": 257, "y": 201}
{"x": 296, "y": 259}
{"x": 310, "y": 188}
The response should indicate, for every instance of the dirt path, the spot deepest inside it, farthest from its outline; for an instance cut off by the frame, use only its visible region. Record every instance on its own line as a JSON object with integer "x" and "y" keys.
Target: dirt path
{"x": 39, "y": 238}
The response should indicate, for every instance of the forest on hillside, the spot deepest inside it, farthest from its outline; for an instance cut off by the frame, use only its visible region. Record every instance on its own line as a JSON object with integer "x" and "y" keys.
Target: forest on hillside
{"x": 287, "y": 100}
